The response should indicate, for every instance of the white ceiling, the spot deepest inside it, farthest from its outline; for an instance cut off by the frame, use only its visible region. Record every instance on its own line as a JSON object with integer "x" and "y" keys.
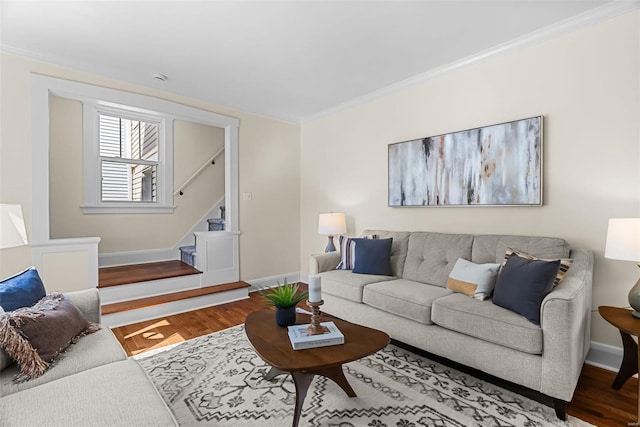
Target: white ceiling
{"x": 291, "y": 60}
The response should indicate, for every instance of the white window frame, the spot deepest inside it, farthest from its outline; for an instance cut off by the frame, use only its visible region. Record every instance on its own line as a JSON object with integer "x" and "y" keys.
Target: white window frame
{"x": 93, "y": 203}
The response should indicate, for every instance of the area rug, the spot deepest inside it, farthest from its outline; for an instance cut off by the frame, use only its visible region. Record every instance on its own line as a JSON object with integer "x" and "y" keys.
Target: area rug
{"x": 217, "y": 380}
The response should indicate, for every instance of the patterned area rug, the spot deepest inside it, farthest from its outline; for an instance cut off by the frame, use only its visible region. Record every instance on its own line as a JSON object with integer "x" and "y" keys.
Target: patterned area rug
{"x": 217, "y": 380}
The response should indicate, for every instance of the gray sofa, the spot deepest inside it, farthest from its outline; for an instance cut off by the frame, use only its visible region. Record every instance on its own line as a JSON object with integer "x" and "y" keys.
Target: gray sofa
{"x": 414, "y": 307}
{"x": 93, "y": 384}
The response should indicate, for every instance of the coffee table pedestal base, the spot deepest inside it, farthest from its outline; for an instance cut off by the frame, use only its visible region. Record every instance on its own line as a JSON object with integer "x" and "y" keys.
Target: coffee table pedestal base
{"x": 302, "y": 381}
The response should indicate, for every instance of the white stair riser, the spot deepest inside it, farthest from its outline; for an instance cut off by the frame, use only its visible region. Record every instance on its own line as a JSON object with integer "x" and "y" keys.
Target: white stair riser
{"x": 113, "y": 294}
{"x": 174, "y": 307}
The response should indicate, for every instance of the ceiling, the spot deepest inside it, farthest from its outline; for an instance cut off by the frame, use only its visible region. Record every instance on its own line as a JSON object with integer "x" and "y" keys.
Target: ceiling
{"x": 291, "y": 60}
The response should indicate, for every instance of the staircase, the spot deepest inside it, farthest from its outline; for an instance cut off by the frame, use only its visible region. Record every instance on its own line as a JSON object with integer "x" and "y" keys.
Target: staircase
{"x": 138, "y": 292}
{"x": 188, "y": 253}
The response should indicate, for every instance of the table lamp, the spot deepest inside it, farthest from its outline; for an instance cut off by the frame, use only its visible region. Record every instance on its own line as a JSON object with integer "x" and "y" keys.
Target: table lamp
{"x": 331, "y": 224}
{"x": 623, "y": 243}
{"x": 12, "y": 231}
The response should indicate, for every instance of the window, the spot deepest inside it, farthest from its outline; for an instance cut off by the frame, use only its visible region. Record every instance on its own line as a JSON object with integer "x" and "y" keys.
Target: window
{"x": 127, "y": 161}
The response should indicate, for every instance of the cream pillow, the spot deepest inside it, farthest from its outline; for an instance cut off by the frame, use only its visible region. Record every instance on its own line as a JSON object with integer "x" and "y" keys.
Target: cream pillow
{"x": 474, "y": 280}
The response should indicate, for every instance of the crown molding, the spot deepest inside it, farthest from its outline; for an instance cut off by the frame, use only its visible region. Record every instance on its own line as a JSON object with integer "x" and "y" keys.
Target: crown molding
{"x": 78, "y": 66}
{"x": 586, "y": 19}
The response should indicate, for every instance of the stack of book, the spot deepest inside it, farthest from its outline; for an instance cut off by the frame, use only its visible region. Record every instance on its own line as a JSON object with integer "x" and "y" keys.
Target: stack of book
{"x": 300, "y": 340}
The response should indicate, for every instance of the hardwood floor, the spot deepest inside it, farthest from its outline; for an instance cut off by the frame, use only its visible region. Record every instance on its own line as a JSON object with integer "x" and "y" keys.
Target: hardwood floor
{"x": 594, "y": 400}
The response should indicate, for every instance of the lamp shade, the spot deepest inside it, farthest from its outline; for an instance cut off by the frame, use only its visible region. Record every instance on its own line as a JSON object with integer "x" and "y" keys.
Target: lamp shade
{"x": 332, "y": 224}
{"x": 623, "y": 239}
{"x": 12, "y": 231}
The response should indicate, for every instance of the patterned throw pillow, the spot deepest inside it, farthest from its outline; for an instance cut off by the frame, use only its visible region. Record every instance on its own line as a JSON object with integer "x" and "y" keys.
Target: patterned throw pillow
{"x": 35, "y": 336}
{"x": 474, "y": 280}
{"x": 348, "y": 251}
{"x": 565, "y": 263}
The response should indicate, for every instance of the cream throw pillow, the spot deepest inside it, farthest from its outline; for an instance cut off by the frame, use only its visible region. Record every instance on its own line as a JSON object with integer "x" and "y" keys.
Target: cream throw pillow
{"x": 474, "y": 280}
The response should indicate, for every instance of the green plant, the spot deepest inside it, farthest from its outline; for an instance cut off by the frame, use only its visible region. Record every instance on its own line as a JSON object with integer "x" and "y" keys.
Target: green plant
{"x": 284, "y": 296}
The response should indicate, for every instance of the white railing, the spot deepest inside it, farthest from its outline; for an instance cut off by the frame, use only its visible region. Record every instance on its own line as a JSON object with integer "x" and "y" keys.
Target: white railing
{"x": 198, "y": 172}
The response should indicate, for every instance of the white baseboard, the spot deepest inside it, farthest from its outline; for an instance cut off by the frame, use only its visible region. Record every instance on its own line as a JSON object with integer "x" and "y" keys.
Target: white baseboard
{"x": 137, "y": 257}
{"x": 271, "y": 281}
{"x": 605, "y": 356}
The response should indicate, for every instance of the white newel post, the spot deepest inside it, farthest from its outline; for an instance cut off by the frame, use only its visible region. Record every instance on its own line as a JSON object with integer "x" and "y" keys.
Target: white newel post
{"x": 217, "y": 256}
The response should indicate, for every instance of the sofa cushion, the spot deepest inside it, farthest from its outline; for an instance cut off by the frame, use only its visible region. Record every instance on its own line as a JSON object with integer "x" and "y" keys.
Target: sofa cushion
{"x": 399, "y": 247}
{"x": 93, "y": 350}
{"x": 348, "y": 285}
{"x": 523, "y": 283}
{"x": 373, "y": 256}
{"x": 431, "y": 256}
{"x": 22, "y": 290}
{"x": 487, "y": 321}
{"x": 405, "y": 298}
{"x": 491, "y": 248}
{"x": 118, "y": 394}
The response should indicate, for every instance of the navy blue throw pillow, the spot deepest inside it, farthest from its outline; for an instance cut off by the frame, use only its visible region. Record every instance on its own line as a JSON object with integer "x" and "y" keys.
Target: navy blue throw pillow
{"x": 22, "y": 290}
{"x": 373, "y": 256}
{"x": 523, "y": 284}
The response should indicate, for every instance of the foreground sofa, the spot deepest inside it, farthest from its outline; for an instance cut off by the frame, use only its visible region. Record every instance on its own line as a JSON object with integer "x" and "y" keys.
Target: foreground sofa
{"x": 92, "y": 384}
{"x": 414, "y": 307}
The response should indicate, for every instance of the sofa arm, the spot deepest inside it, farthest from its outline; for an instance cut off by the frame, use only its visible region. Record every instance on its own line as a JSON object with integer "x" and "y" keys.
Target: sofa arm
{"x": 88, "y": 302}
{"x": 323, "y": 262}
{"x": 566, "y": 328}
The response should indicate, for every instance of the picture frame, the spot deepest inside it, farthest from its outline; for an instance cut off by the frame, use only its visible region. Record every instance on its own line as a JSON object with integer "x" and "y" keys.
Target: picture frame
{"x": 495, "y": 165}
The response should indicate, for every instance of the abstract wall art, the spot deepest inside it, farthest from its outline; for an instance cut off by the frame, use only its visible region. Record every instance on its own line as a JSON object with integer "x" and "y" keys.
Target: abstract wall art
{"x": 497, "y": 165}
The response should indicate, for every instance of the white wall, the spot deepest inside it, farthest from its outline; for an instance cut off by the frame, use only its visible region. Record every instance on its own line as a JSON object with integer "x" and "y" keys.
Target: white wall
{"x": 271, "y": 182}
{"x": 586, "y": 84}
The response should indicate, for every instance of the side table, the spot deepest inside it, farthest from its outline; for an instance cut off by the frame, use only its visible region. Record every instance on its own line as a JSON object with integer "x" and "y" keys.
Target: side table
{"x": 628, "y": 326}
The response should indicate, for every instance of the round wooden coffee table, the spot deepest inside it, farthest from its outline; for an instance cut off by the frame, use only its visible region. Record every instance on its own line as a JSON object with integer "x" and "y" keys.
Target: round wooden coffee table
{"x": 272, "y": 344}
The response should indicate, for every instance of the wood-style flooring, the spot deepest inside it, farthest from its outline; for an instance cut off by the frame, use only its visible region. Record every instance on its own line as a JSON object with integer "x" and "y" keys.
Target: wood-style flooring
{"x": 594, "y": 400}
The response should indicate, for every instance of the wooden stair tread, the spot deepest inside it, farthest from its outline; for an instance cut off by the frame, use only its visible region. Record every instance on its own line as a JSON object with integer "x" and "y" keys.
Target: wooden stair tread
{"x": 175, "y": 296}
{"x": 136, "y": 273}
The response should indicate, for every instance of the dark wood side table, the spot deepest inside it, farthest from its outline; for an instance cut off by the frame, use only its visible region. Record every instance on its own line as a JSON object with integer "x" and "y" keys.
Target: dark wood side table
{"x": 629, "y": 326}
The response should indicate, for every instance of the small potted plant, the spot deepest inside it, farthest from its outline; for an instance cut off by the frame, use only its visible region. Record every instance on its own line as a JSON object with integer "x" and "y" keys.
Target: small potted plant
{"x": 284, "y": 298}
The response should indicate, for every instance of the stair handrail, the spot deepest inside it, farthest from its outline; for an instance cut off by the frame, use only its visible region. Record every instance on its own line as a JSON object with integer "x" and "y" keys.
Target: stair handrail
{"x": 198, "y": 172}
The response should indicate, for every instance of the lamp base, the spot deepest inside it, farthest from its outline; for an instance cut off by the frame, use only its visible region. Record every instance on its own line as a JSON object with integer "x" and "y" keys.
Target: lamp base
{"x": 330, "y": 246}
{"x": 634, "y": 299}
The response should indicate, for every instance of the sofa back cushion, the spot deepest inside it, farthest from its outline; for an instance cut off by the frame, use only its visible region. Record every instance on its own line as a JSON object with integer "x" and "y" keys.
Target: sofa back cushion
{"x": 490, "y": 248}
{"x": 431, "y": 256}
{"x": 398, "y": 247}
